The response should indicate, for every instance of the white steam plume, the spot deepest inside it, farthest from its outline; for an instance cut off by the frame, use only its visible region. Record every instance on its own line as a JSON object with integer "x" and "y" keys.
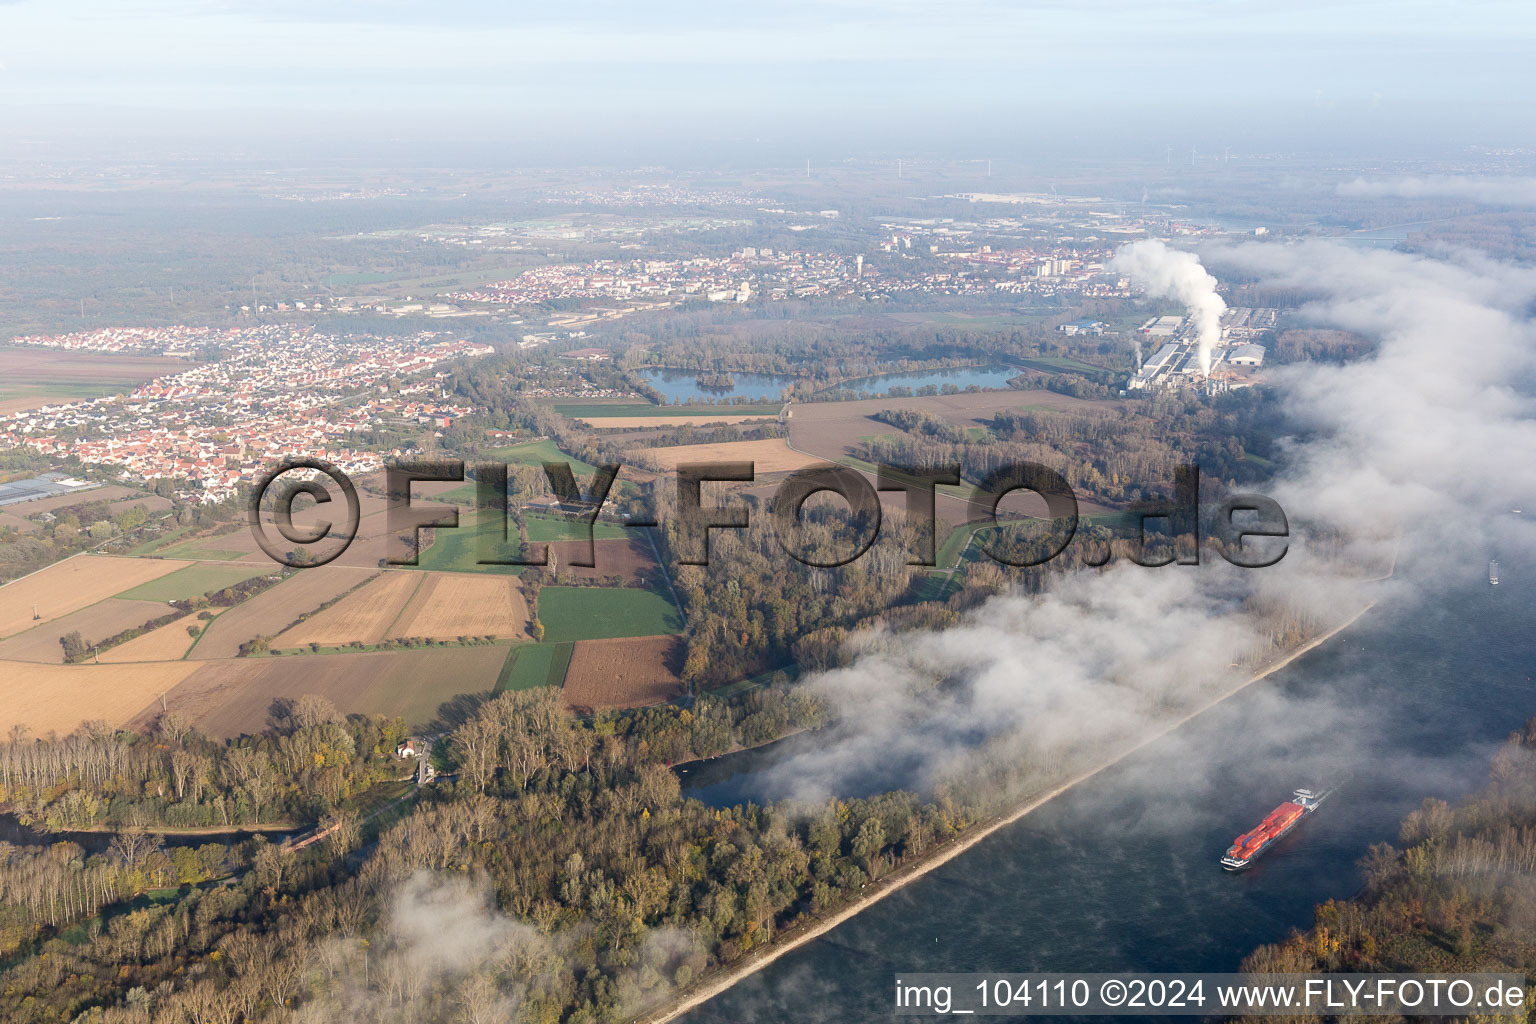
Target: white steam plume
{"x": 1174, "y": 274}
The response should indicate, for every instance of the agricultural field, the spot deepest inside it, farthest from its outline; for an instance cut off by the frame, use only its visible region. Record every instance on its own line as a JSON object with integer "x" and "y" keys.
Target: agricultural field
{"x": 536, "y": 453}
{"x": 206, "y": 549}
{"x": 228, "y": 698}
{"x": 833, "y": 429}
{"x": 111, "y": 492}
{"x": 543, "y": 529}
{"x": 460, "y": 549}
{"x": 34, "y": 377}
{"x": 365, "y": 615}
{"x": 450, "y": 605}
{"x": 151, "y": 502}
{"x": 770, "y": 456}
{"x": 531, "y": 665}
{"x": 58, "y": 698}
{"x": 600, "y": 613}
{"x": 164, "y": 643}
{"x": 71, "y": 585}
{"x": 275, "y": 609}
{"x": 630, "y": 558}
{"x": 193, "y": 581}
{"x": 606, "y": 407}
{"x": 625, "y": 673}
{"x": 370, "y": 545}
{"x": 95, "y": 623}
{"x": 589, "y": 411}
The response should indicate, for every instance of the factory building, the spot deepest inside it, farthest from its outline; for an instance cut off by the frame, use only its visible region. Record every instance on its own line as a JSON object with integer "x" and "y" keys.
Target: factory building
{"x": 1248, "y": 356}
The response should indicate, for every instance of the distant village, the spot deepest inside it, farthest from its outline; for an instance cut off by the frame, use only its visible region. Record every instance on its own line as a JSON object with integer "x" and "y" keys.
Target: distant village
{"x": 275, "y": 392}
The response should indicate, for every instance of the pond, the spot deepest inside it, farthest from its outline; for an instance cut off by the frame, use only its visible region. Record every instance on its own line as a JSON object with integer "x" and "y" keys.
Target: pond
{"x": 992, "y": 377}
{"x": 683, "y": 386}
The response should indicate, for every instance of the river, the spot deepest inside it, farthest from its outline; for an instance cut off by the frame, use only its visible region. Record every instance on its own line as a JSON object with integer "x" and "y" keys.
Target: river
{"x": 1120, "y": 873}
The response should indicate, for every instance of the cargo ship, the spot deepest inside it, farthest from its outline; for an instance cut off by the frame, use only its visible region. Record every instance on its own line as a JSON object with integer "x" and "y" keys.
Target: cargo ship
{"x": 1246, "y": 848}
{"x": 1493, "y": 572}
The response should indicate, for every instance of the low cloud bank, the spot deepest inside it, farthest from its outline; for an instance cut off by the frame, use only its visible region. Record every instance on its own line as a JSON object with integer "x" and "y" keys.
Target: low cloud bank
{"x": 1417, "y": 452}
{"x": 1490, "y": 191}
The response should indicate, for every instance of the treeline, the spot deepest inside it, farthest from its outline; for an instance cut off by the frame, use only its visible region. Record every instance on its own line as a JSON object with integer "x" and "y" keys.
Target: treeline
{"x": 916, "y": 421}
{"x": 59, "y": 884}
{"x": 1122, "y": 454}
{"x": 1318, "y": 345}
{"x": 72, "y": 530}
{"x": 1459, "y": 896}
{"x": 711, "y": 726}
{"x": 310, "y": 760}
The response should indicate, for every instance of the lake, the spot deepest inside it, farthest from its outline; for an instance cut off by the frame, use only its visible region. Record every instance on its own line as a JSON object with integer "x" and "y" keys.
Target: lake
{"x": 993, "y": 377}
{"x": 683, "y": 386}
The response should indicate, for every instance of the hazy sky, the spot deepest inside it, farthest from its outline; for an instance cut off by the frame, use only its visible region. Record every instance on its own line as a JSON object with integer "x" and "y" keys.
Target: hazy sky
{"x": 720, "y": 67}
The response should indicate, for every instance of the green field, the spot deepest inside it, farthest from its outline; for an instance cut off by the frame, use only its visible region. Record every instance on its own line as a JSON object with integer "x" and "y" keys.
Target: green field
{"x": 1118, "y": 521}
{"x": 956, "y": 542}
{"x": 1060, "y": 364}
{"x": 536, "y": 453}
{"x": 596, "y": 411}
{"x": 194, "y": 549}
{"x": 59, "y": 391}
{"x": 193, "y": 581}
{"x": 169, "y": 537}
{"x": 543, "y": 528}
{"x": 602, "y": 613}
{"x": 458, "y": 550}
{"x": 935, "y": 586}
{"x": 530, "y": 665}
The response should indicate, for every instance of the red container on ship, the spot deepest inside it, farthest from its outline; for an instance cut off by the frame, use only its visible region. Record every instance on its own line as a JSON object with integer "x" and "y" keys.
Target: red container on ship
{"x": 1246, "y": 848}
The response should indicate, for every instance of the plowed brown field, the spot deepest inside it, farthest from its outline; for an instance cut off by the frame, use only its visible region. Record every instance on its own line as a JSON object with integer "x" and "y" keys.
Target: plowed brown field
{"x": 628, "y": 673}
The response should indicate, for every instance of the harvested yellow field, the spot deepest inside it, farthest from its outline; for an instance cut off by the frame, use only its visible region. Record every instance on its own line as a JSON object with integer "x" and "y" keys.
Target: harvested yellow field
{"x": 451, "y": 605}
{"x": 363, "y": 615}
{"x": 164, "y": 643}
{"x": 771, "y": 456}
{"x": 58, "y": 698}
{"x": 276, "y": 608}
{"x": 73, "y": 584}
{"x": 100, "y": 621}
{"x": 643, "y": 422}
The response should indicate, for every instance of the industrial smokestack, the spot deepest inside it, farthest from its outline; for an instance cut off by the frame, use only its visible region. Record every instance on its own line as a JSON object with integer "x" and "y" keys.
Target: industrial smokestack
{"x": 1173, "y": 274}
{"x": 1137, "y": 343}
